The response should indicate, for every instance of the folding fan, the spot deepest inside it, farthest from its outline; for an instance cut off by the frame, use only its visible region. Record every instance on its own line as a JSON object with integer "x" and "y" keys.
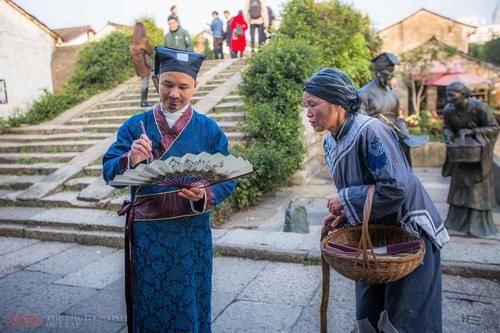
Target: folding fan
{"x": 187, "y": 171}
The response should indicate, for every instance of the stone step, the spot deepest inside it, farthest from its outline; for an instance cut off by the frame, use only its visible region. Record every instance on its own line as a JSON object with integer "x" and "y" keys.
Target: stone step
{"x": 116, "y": 203}
{"x": 126, "y": 109}
{"x": 54, "y": 137}
{"x": 232, "y": 98}
{"x": 123, "y": 102}
{"x": 228, "y": 116}
{"x": 96, "y": 191}
{"x": 223, "y": 76}
{"x": 206, "y": 87}
{"x": 18, "y": 182}
{"x": 93, "y": 170}
{"x": 236, "y": 137}
{"x": 79, "y": 183}
{"x": 102, "y": 128}
{"x": 229, "y": 72}
{"x": 30, "y": 158}
{"x": 61, "y": 129}
{"x": 68, "y": 199}
{"x": 98, "y": 238}
{"x": 135, "y": 94}
{"x": 8, "y": 196}
{"x": 48, "y": 146}
{"x": 229, "y": 126}
{"x": 134, "y": 102}
{"x": 229, "y": 106}
{"x": 29, "y": 169}
{"x": 77, "y": 218}
{"x": 47, "y": 129}
{"x": 122, "y": 111}
{"x": 217, "y": 81}
{"x": 109, "y": 120}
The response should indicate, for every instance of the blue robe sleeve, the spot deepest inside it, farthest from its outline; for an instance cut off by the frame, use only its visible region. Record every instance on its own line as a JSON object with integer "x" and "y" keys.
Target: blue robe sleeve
{"x": 386, "y": 167}
{"x": 115, "y": 161}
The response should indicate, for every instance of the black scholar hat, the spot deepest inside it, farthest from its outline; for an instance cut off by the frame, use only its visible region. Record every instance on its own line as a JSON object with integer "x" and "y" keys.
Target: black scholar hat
{"x": 385, "y": 59}
{"x": 172, "y": 60}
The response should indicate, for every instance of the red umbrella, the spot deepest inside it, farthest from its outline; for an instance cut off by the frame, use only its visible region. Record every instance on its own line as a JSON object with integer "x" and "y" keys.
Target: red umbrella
{"x": 466, "y": 78}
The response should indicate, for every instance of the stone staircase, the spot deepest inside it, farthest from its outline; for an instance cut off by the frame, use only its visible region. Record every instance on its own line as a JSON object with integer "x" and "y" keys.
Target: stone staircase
{"x": 51, "y": 173}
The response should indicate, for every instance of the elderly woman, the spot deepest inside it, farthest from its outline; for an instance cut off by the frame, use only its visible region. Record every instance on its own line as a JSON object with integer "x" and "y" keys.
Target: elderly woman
{"x": 362, "y": 151}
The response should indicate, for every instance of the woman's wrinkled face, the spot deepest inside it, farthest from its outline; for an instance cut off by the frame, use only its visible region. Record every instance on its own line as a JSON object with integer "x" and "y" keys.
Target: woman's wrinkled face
{"x": 322, "y": 115}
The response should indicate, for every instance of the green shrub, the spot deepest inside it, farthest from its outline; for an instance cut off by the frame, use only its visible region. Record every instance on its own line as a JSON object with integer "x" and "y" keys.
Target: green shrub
{"x": 430, "y": 126}
{"x": 155, "y": 33}
{"x": 51, "y": 104}
{"x": 207, "y": 50}
{"x": 342, "y": 33}
{"x": 104, "y": 64}
{"x": 312, "y": 35}
{"x": 489, "y": 51}
{"x": 272, "y": 89}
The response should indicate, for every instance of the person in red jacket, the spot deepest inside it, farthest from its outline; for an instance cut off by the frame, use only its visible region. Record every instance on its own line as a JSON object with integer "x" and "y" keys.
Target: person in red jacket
{"x": 238, "y": 40}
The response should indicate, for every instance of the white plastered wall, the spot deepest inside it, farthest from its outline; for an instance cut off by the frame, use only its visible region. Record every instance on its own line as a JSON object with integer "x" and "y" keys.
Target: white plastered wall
{"x": 25, "y": 57}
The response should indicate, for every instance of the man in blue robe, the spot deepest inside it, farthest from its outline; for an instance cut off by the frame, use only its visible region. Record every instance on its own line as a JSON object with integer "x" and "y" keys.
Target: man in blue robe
{"x": 168, "y": 242}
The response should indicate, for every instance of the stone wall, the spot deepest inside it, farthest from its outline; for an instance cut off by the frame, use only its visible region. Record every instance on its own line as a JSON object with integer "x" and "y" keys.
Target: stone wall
{"x": 432, "y": 154}
{"x": 25, "y": 57}
{"x": 420, "y": 28}
{"x": 64, "y": 64}
{"x": 314, "y": 154}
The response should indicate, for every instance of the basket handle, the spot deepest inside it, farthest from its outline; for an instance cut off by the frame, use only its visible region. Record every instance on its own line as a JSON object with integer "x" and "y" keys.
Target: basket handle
{"x": 363, "y": 246}
{"x": 365, "y": 243}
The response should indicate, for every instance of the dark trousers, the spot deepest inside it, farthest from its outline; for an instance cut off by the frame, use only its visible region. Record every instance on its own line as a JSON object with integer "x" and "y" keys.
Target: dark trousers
{"x": 260, "y": 30}
{"x": 412, "y": 304}
{"x": 218, "y": 48}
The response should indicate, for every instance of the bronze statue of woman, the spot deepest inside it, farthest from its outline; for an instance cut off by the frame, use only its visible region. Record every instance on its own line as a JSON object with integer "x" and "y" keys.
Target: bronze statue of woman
{"x": 468, "y": 123}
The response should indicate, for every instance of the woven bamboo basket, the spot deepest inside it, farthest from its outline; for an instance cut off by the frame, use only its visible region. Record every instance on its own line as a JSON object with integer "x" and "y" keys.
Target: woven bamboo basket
{"x": 365, "y": 265}
{"x": 373, "y": 268}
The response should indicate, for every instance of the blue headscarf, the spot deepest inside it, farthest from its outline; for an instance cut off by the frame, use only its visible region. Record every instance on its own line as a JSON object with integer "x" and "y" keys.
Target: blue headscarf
{"x": 334, "y": 86}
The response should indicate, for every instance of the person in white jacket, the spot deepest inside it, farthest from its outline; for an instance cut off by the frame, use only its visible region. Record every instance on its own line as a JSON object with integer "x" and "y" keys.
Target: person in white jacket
{"x": 257, "y": 16}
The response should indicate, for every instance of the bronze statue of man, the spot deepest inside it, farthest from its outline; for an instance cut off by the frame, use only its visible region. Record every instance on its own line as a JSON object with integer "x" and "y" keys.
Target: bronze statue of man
{"x": 470, "y": 132}
{"x": 380, "y": 101}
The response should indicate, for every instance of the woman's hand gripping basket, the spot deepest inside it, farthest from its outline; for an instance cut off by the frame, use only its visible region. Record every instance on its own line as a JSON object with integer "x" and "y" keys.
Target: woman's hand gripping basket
{"x": 370, "y": 253}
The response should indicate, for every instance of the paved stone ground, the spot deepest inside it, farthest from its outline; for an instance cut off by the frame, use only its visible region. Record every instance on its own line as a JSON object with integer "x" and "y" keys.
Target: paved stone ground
{"x": 66, "y": 287}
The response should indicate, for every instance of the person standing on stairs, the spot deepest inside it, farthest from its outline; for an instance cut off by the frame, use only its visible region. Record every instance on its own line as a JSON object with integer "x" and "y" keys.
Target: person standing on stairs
{"x": 256, "y": 15}
{"x": 141, "y": 50}
{"x": 228, "y": 33}
{"x": 177, "y": 37}
{"x": 217, "y": 28}
{"x": 238, "y": 39}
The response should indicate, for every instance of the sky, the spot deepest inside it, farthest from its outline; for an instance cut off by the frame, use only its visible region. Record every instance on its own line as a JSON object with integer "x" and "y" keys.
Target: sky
{"x": 195, "y": 14}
